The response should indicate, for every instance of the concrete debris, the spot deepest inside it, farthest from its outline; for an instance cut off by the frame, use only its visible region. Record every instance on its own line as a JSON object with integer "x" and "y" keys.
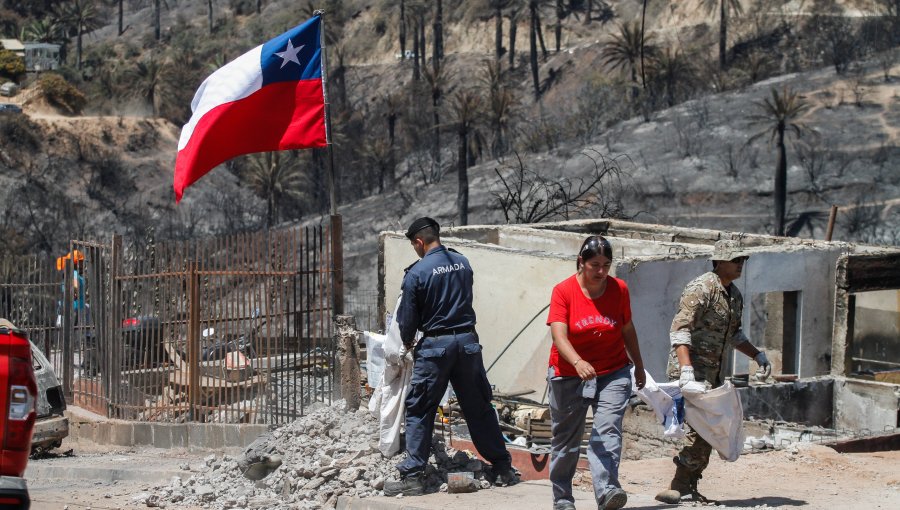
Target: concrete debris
{"x": 307, "y": 464}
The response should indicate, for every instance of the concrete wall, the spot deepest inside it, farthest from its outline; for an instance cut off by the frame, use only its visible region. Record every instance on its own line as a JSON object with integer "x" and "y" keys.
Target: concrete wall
{"x": 808, "y": 402}
{"x": 518, "y": 266}
{"x": 511, "y": 288}
{"x": 810, "y": 271}
{"x": 870, "y": 405}
{"x": 655, "y": 287}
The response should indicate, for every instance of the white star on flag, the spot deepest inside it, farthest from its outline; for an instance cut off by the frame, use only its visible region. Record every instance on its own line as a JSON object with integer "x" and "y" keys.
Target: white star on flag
{"x": 289, "y": 54}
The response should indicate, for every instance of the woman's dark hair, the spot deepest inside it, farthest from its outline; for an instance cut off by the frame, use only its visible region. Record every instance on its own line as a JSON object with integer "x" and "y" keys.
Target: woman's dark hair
{"x": 593, "y": 246}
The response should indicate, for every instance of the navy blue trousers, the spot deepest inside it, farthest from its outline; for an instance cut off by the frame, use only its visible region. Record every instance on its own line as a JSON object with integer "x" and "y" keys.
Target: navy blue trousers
{"x": 452, "y": 359}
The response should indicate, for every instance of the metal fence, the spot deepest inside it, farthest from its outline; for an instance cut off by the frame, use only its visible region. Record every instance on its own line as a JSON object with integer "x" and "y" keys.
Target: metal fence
{"x": 233, "y": 329}
{"x": 363, "y": 306}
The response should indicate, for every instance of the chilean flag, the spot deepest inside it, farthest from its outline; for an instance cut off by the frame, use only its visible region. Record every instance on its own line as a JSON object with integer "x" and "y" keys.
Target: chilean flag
{"x": 268, "y": 99}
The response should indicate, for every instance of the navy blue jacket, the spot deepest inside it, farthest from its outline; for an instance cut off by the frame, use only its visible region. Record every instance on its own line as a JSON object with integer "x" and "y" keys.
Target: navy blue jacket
{"x": 437, "y": 294}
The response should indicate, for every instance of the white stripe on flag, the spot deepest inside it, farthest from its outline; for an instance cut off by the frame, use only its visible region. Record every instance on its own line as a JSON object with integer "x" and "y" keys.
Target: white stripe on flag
{"x": 235, "y": 80}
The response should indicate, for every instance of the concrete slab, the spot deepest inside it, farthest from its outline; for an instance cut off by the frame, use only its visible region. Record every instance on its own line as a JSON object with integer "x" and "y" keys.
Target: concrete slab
{"x": 149, "y": 466}
{"x": 531, "y": 494}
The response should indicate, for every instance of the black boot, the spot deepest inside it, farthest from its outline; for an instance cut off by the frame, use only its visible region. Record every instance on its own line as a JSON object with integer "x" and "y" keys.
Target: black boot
{"x": 412, "y": 485}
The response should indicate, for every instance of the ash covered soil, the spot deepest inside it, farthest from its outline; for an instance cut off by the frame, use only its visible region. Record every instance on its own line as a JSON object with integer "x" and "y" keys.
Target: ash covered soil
{"x": 330, "y": 453}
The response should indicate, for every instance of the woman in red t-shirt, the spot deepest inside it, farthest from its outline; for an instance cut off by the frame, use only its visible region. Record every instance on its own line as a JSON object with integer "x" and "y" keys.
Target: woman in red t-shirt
{"x": 593, "y": 339}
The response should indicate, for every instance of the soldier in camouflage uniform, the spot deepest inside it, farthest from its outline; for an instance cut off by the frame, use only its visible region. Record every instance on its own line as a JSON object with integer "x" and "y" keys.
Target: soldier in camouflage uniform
{"x": 708, "y": 318}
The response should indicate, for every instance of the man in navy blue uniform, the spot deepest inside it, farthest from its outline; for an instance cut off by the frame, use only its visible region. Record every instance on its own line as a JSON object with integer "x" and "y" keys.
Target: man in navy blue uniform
{"x": 437, "y": 300}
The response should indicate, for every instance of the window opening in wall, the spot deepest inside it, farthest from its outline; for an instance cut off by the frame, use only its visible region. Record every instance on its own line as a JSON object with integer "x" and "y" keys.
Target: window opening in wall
{"x": 875, "y": 324}
{"x": 775, "y": 327}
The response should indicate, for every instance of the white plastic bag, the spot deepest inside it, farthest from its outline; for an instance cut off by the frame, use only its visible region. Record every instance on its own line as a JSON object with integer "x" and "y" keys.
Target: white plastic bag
{"x": 666, "y": 401}
{"x": 388, "y": 402}
{"x": 374, "y": 357}
{"x": 718, "y": 417}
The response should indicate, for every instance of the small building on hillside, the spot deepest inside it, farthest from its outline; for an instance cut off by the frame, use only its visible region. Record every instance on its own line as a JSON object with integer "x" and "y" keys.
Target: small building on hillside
{"x": 41, "y": 57}
{"x": 13, "y": 45}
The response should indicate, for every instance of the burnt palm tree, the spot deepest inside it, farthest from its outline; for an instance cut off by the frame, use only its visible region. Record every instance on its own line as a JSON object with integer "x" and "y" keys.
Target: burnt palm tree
{"x": 402, "y": 30}
{"x": 149, "y": 78}
{"x": 671, "y": 72}
{"x": 437, "y": 81}
{"x": 502, "y": 102}
{"x": 466, "y": 105}
{"x": 274, "y": 180}
{"x": 724, "y": 7}
{"x": 779, "y": 116}
{"x": 438, "y": 28}
{"x": 624, "y": 50}
{"x": 79, "y": 17}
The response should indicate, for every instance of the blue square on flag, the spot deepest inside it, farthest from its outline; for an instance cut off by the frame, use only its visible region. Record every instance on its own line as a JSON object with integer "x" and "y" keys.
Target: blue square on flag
{"x": 293, "y": 55}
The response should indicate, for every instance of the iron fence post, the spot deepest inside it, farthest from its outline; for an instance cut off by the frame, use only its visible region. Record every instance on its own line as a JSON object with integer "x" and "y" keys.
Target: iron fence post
{"x": 194, "y": 341}
{"x": 68, "y": 333}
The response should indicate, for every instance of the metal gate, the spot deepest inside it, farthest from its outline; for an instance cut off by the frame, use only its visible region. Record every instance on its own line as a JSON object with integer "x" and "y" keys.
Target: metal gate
{"x": 235, "y": 329}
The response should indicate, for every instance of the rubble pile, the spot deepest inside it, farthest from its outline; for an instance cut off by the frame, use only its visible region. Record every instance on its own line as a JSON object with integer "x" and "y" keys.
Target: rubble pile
{"x": 307, "y": 465}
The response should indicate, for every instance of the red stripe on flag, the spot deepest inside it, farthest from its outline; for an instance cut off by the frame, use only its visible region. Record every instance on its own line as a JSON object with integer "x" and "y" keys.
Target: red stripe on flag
{"x": 280, "y": 116}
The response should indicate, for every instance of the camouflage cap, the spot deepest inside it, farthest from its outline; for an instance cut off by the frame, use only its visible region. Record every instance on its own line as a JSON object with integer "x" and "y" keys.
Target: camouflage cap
{"x": 728, "y": 249}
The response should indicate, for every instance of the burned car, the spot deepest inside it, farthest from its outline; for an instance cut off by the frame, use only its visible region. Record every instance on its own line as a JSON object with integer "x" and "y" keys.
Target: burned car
{"x": 51, "y": 426}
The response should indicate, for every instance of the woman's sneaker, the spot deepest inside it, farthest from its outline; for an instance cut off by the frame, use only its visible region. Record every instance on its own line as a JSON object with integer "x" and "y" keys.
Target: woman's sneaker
{"x": 408, "y": 486}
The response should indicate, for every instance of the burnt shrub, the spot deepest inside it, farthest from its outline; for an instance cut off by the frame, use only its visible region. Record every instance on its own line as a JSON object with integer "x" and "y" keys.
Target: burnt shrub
{"x": 18, "y": 131}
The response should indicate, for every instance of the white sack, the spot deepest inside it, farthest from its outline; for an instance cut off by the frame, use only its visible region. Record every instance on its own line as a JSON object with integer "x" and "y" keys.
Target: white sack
{"x": 388, "y": 402}
{"x": 666, "y": 401}
{"x": 714, "y": 414}
{"x": 718, "y": 417}
{"x": 374, "y": 358}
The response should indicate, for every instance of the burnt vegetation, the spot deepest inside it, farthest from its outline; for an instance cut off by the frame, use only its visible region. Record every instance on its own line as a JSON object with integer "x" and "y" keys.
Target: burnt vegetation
{"x": 446, "y": 107}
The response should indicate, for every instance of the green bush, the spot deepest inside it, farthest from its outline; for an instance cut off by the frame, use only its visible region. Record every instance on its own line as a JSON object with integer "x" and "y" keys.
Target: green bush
{"x": 58, "y": 92}
{"x": 11, "y": 65}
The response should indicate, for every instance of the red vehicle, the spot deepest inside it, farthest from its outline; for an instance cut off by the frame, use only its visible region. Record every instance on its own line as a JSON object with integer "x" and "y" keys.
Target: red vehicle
{"x": 18, "y": 393}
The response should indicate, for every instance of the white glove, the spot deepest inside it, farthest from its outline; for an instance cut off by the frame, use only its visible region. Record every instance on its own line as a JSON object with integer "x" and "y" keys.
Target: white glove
{"x": 688, "y": 384}
{"x": 765, "y": 368}
{"x": 687, "y": 376}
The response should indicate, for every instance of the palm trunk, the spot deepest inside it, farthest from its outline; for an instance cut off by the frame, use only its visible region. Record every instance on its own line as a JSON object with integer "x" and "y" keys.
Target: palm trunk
{"x": 157, "y": 32}
{"x": 210, "y": 15}
{"x": 435, "y": 103}
{"x": 416, "y": 75}
{"x": 462, "y": 196}
{"x": 78, "y": 46}
{"x": 121, "y": 16}
{"x": 532, "y": 47}
{"x": 513, "y": 26}
{"x": 643, "y": 20}
{"x": 558, "y": 28}
{"x": 422, "y": 38}
{"x": 402, "y": 29}
{"x": 723, "y": 34}
{"x": 780, "y": 192}
{"x": 540, "y": 34}
{"x": 498, "y": 33}
{"x": 438, "y": 27}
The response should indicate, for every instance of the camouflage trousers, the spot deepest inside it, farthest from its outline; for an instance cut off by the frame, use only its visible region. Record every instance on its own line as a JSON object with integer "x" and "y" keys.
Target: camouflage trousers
{"x": 695, "y": 453}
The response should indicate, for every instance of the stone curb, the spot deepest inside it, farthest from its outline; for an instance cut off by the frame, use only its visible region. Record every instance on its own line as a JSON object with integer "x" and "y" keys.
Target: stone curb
{"x": 193, "y": 436}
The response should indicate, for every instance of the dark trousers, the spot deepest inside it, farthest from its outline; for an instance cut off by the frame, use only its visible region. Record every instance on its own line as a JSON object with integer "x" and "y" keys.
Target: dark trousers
{"x": 452, "y": 359}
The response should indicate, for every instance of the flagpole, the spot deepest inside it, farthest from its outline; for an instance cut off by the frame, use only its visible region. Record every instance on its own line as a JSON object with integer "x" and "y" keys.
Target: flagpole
{"x": 331, "y": 178}
{"x": 337, "y": 228}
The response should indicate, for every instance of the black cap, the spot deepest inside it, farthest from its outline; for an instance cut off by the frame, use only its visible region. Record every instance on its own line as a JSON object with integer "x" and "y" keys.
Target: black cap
{"x": 421, "y": 224}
